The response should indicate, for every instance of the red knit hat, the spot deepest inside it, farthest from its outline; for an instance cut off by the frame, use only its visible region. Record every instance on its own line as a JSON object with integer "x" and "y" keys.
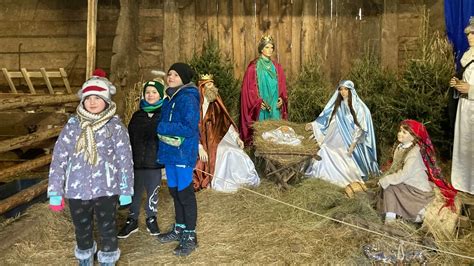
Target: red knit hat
{"x": 99, "y": 85}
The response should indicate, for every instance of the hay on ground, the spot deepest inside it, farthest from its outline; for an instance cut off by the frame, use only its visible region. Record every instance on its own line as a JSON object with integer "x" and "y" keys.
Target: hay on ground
{"x": 132, "y": 101}
{"x": 242, "y": 228}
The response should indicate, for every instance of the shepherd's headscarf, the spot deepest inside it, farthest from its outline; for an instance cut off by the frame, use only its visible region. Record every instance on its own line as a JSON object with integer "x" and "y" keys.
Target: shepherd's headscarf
{"x": 429, "y": 159}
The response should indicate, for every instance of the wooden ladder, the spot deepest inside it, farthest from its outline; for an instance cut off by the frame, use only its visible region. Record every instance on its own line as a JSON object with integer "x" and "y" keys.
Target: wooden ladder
{"x": 27, "y": 75}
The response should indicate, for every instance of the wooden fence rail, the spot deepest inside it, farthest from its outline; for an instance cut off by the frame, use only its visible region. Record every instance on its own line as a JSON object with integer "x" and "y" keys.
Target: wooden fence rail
{"x": 23, "y": 167}
{"x": 24, "y": 141}
{"x": 16, "y": 101}
{"x": 23, "y": 196}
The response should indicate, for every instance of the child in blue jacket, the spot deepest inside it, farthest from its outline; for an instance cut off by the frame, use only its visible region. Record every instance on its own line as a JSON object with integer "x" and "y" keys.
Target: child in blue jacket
{"x": 178, "y": 131}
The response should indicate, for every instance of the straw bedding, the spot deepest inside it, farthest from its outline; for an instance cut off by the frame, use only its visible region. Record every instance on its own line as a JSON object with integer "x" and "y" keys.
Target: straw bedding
{"x": 243, "y": 227}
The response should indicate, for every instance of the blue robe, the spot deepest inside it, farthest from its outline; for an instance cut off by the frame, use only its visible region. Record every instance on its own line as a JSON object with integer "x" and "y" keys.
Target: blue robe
{"x": 365, "y": 153}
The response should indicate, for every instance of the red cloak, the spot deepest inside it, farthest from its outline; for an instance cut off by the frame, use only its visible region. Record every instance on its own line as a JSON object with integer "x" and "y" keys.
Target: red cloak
{"x": 250, "y": 100}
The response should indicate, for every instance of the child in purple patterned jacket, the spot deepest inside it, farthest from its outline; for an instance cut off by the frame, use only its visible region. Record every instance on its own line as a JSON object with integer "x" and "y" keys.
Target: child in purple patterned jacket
{"x": 92, "y": 167}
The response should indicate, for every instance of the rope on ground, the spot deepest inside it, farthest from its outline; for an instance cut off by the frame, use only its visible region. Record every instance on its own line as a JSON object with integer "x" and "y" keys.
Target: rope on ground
{"x": 349, "y": 224}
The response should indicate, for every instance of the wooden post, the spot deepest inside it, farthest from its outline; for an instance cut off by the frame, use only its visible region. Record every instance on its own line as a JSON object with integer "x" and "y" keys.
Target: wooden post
{"x": 170, "y": 33}
{"x": 124, "y": 66}
{"x": 389, "y": 36}
{"x": 91, "y": 36}
{"x": 24, "y": 141}
{"x": 16, "y": 101}
{"x": 238, "y": 41}
{"x": 23, "y": 196}
{"x": 24, "y": 167}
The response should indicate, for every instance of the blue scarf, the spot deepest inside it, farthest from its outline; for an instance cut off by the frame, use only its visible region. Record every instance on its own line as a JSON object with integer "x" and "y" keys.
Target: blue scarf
{"x": 150, "y": 108}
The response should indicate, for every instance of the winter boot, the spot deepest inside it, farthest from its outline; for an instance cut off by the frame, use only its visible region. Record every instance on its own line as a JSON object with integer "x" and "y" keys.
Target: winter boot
{"x": 152, "y": 226}
{"x": 130, "y": 227}
{"x": 85, "y": 257}
{"x": 173, "y": 235}
{"x": 108, "y": 258}
{"x": 187, "y": 244}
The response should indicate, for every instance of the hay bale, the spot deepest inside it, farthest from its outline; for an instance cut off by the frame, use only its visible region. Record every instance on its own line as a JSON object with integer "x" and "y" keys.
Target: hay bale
{"x": 284, "y": 154}
{"x": 441, "y": 222}
{"x": 132, "y": 101}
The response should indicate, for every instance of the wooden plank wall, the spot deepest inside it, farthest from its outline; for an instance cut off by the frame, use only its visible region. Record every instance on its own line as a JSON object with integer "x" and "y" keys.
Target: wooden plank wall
{"x": 52, "y": 34}
{"x": 303, "y": 30}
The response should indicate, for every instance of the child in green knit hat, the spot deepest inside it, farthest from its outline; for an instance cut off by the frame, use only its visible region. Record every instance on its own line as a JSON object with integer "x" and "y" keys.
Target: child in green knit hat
{"x": 144, "y": 141}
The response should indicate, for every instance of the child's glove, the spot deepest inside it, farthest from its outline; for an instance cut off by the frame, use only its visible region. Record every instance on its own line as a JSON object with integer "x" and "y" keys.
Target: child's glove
{"x": 56, "y": 203}
{"x": 125, "y": 200}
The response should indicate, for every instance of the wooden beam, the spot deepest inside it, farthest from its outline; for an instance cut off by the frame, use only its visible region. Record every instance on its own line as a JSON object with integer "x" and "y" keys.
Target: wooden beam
{"x": 296, "y": 37}
{"x": 170, "y": 33}
{"x": 225, "y": 28}
{"x": 91, "y": 36}
{"x": 23, "y": 196}
{"x": 11, "y": 121}
{"x": 24, "y": 167}
{"x": 389, "y": 37}
{"x": 35, "y": 100}
{"x": 308, "y": 31}
{"x": 238, "y": 41}
{"x": 25, "y": 141}
{"x": 250, "y": 24}
{"x": 186, "y": 22}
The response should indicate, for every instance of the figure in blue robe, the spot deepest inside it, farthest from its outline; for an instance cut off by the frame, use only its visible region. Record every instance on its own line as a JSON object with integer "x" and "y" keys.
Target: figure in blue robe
{"x": 346, "y": 136}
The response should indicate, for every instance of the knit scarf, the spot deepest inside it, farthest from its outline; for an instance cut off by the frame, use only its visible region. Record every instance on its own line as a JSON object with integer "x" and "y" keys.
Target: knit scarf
{"x": 150, "y": 108}
{"x": 89, "y": 124}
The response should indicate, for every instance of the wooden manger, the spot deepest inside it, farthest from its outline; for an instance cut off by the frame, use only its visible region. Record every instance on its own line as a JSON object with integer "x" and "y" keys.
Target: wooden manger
{"x": 284, "y": 163}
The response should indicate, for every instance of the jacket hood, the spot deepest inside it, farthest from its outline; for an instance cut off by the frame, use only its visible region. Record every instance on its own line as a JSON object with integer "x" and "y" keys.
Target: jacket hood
{"x": 186, "y": 88}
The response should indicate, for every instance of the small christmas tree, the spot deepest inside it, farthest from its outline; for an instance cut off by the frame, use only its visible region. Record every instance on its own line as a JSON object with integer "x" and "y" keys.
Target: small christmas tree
{"x": 211, "y": 61}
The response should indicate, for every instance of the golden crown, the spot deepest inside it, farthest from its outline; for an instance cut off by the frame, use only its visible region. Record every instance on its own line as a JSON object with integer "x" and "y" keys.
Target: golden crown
{"x": 206, "y": 77}
{"x": 266, "y": 38}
